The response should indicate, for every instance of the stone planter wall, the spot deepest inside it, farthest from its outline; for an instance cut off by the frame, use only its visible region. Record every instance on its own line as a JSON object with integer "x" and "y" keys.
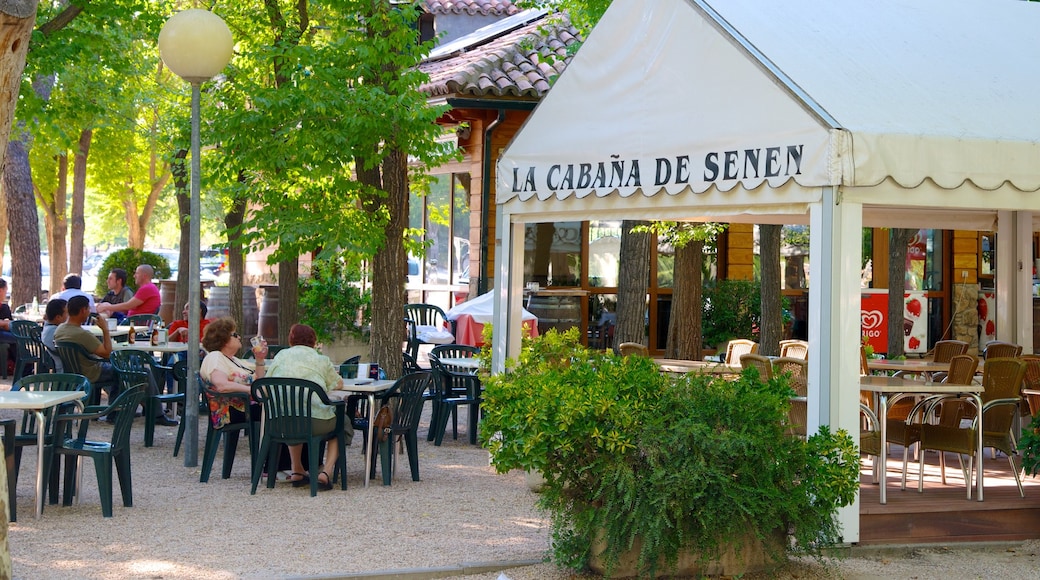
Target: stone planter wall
{"x": 753, "y": 557}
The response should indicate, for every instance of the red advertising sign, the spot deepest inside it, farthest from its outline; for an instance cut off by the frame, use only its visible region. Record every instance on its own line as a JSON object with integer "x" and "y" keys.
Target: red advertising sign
{"x": 874, "y": 320}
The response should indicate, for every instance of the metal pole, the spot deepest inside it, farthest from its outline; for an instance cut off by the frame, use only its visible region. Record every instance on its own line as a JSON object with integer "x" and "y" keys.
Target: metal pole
{"x": 191, "y": 404}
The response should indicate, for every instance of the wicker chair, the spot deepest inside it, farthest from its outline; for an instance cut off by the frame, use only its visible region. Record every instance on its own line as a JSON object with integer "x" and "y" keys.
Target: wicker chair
{"x": 759, "y": 362}
{"x": 798, "y": 371}
{"x": 997, "y": 349}
{"x": 944, "y": 351}
{"x": 794, "y": 349}
{"x": 737, "y": 347}
{"x": 633, "y": 348}
{"x": 1002, "y": 379}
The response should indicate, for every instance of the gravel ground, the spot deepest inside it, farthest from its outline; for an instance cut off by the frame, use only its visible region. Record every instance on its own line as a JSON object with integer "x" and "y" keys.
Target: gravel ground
{"x": 461, "y": 512}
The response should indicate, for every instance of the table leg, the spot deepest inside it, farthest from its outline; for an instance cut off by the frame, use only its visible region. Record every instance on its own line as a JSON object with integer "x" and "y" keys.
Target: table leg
{"x": 883, "y": 455}
{"x": 978, "y": 443}
{"x": 371, "y": 434}
{"x": 39, "y": 465}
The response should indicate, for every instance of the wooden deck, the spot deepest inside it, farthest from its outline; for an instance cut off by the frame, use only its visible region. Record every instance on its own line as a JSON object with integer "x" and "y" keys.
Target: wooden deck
{"x": 943, "y": 514}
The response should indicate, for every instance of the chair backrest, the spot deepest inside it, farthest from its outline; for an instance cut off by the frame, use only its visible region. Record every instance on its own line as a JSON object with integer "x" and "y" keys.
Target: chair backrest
{"x": 1002, "y": 379}
{"x": 425, "y": 315}
{"x": 288, "y": 406}
{"x": 454, "y": 351}
{"x": 406, "y": 396}
{"x": 798, "y": 369}
{"x": 962, "y": 369}
{"x": 124, "y": 408}
{"x": 633, "y": 348}
{"x": 72, "y": 356}
{"x": 945, "y": 350}
{"x": 1031, "y": 381}
{"x": 763, "y": 364}
{"x": 409, "y": 364}
{"x": 140, "y": 321}
{"x": 453, "y": 382}
{"x": 348, "y": 368}
{"x": 27, "y": 334}
{"x": 997, "y": 349}
{"x": 134, "y": 367}
{"x": 794, "y": 349}
{"x": 737, "y": 347}
{"x": 47, "y": 382}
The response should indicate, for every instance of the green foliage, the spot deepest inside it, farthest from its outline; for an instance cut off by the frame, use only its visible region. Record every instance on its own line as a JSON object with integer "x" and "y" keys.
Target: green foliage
{"x": 129, "y": 259}
{"x": 1029, "y": 445}
{"x": 688, "y": 463}
{"x": 732, "y": 309}
{"x": 334, "y": 301}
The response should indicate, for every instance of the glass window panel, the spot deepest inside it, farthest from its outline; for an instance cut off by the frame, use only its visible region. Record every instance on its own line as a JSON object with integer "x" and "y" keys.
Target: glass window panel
{"x": 665, "y": 265}
{"x": 460, "y": 230}
{"x": 794, "y": 257}
{"x": 552, "y": 253}
{"x": 438, "y": 231}
{"x": 604, "y": 253}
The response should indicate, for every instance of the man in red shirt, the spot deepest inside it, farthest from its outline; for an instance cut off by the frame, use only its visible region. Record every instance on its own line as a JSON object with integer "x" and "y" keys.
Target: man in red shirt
{"x": 145, "y": 301}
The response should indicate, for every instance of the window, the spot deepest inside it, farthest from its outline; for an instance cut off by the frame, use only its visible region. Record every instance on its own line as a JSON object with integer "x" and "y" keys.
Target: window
{"x": 443, "y": 215}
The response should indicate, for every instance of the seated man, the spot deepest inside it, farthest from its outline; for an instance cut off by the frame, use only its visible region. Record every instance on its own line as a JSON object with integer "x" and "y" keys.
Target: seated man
{"x": 57, "y": 313}
{"x": 72, "y": 331}
{"x": 72, "y": 286}
{"x": 118, "y": 291}
{"x": 145, "y": 301}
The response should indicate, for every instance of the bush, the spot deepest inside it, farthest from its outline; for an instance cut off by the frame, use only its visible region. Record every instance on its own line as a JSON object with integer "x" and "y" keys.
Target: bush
{"x": 332, "y": 301}
{"x": 630, "y": 455}
{"x": 129, "y": 259}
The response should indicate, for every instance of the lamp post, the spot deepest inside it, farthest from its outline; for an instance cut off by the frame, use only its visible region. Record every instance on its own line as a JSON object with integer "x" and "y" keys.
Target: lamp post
{"x": 196, "y": 45}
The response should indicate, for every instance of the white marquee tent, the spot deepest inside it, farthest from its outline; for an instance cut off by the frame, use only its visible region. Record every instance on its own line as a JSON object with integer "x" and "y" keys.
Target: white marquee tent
{"x": 840, "y": 114}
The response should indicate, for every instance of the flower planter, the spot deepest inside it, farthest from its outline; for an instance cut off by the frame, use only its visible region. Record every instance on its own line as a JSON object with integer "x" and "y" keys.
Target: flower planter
{"x": 752, "y": 556}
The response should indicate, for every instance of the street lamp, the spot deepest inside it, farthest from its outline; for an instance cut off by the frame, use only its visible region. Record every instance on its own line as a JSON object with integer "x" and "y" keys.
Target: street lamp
{"x": 196, "y": 45}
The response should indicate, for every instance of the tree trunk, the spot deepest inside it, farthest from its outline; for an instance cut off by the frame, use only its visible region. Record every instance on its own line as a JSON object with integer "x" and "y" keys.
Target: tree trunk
{"x": 17, "y": 18}
{"x": 684, "y": 324}
{"x": 236, "y": 264}
{"x": 772, "y": 323}
{"x": 22, "y": 218}
{"x": 899, "y": 239}
{"x": 79, "y": 188}
{"x": 288, "y": 297}
{"x": 180, "y": 172}
{"x": 56, "y": 226}
{"x": 389, "y": 265}
{"x": 634, "y": 259}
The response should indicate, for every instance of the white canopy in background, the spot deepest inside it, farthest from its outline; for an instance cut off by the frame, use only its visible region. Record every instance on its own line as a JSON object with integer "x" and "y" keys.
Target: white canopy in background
{"x": 481, "y": 309}
{"x": 838, "y": 113}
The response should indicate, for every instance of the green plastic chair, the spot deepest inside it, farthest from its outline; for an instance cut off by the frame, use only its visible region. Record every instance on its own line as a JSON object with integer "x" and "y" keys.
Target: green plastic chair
{"x": 228, "y": 432}
{"x": 104, "y": 453}
{"x": 453, "y": 387}
{"x": 71, "y": 354}
{"x": 141, "y": 324}
{"x": 180, "y": 375}
{"x": 27, "y": 434}
{"x": 406, "y": 402}
{"x": 288, "y": 409}
{"x": 139, "y": 367}
{"x": 30, "y": 349}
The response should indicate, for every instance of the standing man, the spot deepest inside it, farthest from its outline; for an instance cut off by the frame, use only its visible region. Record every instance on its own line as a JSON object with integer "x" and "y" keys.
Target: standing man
{"x": 71, "y": 286}
{"x": 72, "y": 331}
{"x": 145, "y": 301}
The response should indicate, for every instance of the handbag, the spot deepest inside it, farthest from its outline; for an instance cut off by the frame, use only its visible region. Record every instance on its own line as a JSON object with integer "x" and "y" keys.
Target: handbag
{"x": 384, "y": 418}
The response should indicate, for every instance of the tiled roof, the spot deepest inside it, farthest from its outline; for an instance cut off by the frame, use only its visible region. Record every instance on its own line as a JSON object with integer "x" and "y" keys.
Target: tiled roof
{"x": 521, "y": 63}
{"x": 472, "y": 7}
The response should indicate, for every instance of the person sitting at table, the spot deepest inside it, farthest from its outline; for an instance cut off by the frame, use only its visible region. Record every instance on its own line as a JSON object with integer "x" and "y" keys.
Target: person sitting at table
{"x": 72, "y": 286}
{"x": 145, "y": 301}
{"x": 118, "y": 291}
{"x": 6, "y": 337}
{"x": 226, "y": 373}
{"x": 72, "y": 331}
{"x": 57, "y": 312}
{"x": 302, "y": 361}
{"x": 179, "y": 328}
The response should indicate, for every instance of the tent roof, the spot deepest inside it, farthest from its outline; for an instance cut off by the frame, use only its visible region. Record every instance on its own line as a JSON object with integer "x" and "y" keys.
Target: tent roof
{"x": 721, "y": 97}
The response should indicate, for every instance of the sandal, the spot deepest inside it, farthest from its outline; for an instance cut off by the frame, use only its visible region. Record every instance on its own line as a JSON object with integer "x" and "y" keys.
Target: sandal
{"x": 324, "y": 485}
{"x": 304, "y": 479}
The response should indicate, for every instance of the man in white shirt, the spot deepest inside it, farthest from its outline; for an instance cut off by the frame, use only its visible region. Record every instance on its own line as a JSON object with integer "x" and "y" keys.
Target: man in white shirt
{"x": 72, "y": 287}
